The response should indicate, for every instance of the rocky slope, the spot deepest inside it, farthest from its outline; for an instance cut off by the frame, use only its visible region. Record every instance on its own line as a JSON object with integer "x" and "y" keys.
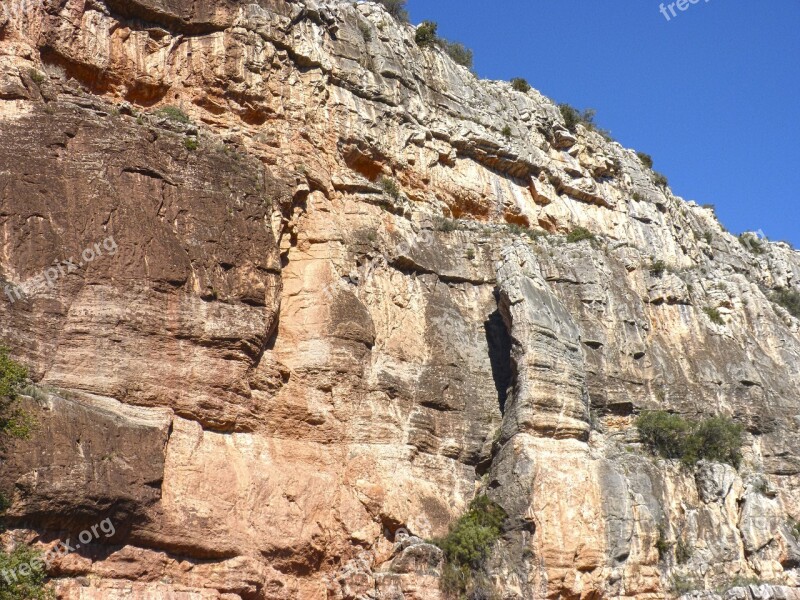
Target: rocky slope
{"x": 287, "y": 364}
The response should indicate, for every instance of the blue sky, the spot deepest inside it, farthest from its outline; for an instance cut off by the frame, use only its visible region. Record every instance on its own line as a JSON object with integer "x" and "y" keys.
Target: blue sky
{"x": 713, "y": 94}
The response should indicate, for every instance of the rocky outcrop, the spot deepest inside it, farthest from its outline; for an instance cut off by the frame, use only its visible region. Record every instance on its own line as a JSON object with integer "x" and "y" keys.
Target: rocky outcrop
{"x": 329, "y": 302}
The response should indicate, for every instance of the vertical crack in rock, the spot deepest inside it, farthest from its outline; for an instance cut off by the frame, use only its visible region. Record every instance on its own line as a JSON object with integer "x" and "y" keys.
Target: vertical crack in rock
{"x": 544, "y": 417}
{"x": 550, "y": 391}
{"x": 498, "y": 339}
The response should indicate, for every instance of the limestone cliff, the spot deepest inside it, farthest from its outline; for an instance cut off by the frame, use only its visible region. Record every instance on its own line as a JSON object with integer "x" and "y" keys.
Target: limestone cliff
{"x": 342, "y": 303}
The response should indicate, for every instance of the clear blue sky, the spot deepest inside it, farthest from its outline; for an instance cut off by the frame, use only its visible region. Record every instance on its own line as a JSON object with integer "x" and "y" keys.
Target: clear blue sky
{"x": 713, "y": 94}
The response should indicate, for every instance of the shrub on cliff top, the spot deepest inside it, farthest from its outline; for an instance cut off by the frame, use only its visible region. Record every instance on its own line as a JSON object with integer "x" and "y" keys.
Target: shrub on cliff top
{"x": 660, "y": 179}
{"x": 752, "y": 244}
{"x": 458, "y": 52}
{"x": 467, "y": 546}
{"x": 14, "y": 421}
{"x": 396, "y": 8}
{"x": 646, "y": 159}
{"x": 717, "y": 439}
{"x": 572, "y": 117}
{"x": 520, "y": 85}
{"x": 425, "y": 35}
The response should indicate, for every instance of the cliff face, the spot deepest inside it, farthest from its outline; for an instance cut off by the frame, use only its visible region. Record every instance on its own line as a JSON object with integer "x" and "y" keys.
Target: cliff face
{"x": 277, "y": 362}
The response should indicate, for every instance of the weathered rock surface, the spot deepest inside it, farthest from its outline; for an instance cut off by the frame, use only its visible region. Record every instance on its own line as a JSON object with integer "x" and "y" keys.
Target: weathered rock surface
{"x": 283, "y": 368}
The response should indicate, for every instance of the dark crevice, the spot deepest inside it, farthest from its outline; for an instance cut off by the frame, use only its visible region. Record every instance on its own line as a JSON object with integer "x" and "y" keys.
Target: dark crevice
{"x": 499, "y": 341}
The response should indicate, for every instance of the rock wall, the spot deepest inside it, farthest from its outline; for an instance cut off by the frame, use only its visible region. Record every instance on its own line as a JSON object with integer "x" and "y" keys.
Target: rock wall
{"x": 287, "y": 365}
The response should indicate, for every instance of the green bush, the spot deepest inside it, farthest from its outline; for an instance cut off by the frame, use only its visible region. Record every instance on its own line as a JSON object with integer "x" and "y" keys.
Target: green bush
{"x": 716, "y": 439}
{"x": 470, "y": 254}
{"x": 26, "y": 575}
{"x": 761, "y": 486}
{"x": 794, "y": 527}
{"x": 425, "y": 35}
{"x": 572, "y": 117}
{"x": 683, "y": 551}
{"x": 468, "y": 544}
{"x": 173, "y": 113}
{"x": 752, "y": 244}
{"x": 446, "y": 225}
{"x": 662, "y": 545}
{"x": 657, "y": 268}
{"x": 708, "y": 237}
{"x": 579, "y": 234}
{"x": 12, "y": 376}
{"x": 533, "y": 234}
{"x": 458, "y": 52}
{"x": 714, "y": 315}
{"x": 390, "y": 187}
{"x": 520, "y": 85}
{"x": 788, "y": 299}
{"x": 396, "y": 8}
{"x": 14, "y": 421}
{"x": 683, "y": 584}
{"x": 738, "y": 581}
{"x": 191, "y": 144}
{"x": 646, "y": 159}
{"x": 366, "y": 32}
{"x": 660, "y": 179}
{"x": 663, "y": 432}
{"x": 506, "y": 132}
{"x": 37, "y": 77}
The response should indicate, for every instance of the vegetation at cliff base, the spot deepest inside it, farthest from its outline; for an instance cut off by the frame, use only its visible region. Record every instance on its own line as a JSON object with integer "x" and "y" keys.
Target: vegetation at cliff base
{"x": 14, "y": 422}
{"x": 466, "y": 548}
{"x": 717, "y": 439}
